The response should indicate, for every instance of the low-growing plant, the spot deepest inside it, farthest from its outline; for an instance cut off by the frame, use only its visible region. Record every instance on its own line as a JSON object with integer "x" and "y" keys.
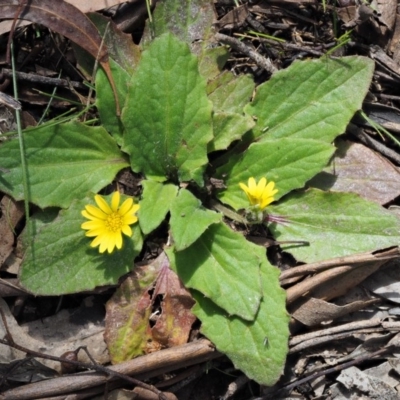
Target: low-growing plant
{"x": 208, "y": 153}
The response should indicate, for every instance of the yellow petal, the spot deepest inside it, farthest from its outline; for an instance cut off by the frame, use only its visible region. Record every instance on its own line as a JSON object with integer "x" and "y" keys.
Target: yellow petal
{"x": 244, "y": 187}
{"x": 118, "y": 240}
{"x": 252, "y": 184}
{"x": 93, "y": 224}
{"x": 111, "y": 245}
{"x": 129, "y": 219}
{"x": 261, "y": 184}
{"x": 126, "y": 206}
{"x": 115, "y": 201}
{"x": 96, "y": 212}
{"x": 95, "y": 232}
{"x": 96, "y": 241}
{"x": 126, "y": 229}
{"x": 266, "y": 201}
{"x": 106, "y": 243}
{"x": 102, "y": 204}
{"x": 88, "y": 216}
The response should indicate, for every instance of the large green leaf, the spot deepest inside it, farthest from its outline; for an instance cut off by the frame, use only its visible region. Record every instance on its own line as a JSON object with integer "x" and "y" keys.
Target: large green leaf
{"x": 223, "y": 266}
{"x": 167, "y": 114}
{"x": 156, "y": 202}
{"x": 290, "y": 163}
{"x": 335, "y": 225}
{"x": 60, "y": 259}
{"x": 312, "y": 99}
{"x": 189, "y": 219}
{"x": 64, "y": 163}
{"x": 257, "y": 347}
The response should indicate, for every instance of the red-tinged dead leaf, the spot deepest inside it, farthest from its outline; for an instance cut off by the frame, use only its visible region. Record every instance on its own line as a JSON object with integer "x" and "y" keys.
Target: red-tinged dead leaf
{"x": 65, "y": 19}
{"x": 127, "y": 315}
{"x": 137, "y": 323}
{"x": 175, "y": 322}
{"x": 358, "y": 169}
{"x": 11, "y": 213}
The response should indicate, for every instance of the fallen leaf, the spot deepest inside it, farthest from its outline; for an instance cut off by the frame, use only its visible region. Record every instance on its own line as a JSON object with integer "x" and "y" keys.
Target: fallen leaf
{"x": 11, "y": 213}
{"x": 358, "y": 169}
{"x": 67, "y": 20}
{"x": 84, "y": 6}
{"x": 136, "y": 323}
{"x": 175, "y": 322}
{"x": 313, "y": 311}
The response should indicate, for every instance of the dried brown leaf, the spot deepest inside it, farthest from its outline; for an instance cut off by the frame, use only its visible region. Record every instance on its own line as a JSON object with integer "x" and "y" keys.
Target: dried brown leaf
{"x": 11, "y": 213}
{"x": 136, "y": 323}
{"x": 313, "y": 312}
{"x": 175, "y": 322}
{"x": 65, "y": 19}
{"x": 60, "y": 17}
{"x": 358, "y": 169}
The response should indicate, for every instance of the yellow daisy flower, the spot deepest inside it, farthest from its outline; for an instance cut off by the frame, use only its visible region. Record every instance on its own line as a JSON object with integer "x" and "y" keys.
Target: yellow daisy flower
{"x": 107, "y": 223}
{"x": 260, "y": 194}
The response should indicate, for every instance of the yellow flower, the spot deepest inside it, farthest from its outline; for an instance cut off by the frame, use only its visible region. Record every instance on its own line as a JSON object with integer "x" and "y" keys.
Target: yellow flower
{"x": 259, "y": 194}
{"x": 107, "y": 223}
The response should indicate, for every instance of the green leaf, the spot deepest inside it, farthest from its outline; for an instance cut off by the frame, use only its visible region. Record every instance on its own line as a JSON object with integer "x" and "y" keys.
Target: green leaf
{"x": 230, "y": 93}
{"x": 167, "y": 134}
{"x": 60, "y": 259}
{"x": 335, "y": 225}
{"x": 64, "y": 162}
{"x": 156, "y": 202}
{"x": 290, "y": 163}
{"x": 223, "y": 266}
{"x": 124, "y": 57}
{"x": 105, "y": 101}
{"x": 311, "y": 99}
{"x": 257, "y": 347}
{"x": 189, "y": 219}
{"x": 227, "y": 128}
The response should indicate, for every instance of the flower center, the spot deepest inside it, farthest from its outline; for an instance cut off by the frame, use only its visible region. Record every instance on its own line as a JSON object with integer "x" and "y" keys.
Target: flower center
{"x": 114, "y": 222}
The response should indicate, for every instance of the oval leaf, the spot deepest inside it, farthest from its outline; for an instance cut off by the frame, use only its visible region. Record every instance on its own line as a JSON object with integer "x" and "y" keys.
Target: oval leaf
{"x": 312, "y": 98}
{"x": 64, "y": 163}
{"x": 167, "y": 135}
{"x": 259, "y": 347}
{"x": 335, "y": 225}
{"x": 223, "y": 266}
